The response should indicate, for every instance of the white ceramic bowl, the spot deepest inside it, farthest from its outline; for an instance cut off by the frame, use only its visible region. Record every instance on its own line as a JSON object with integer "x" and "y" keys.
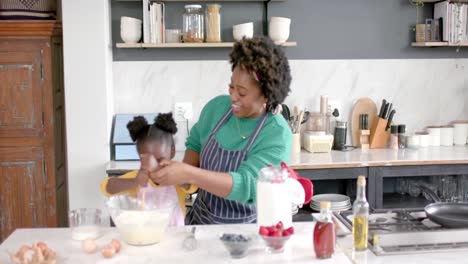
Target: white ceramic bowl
{"x": 241, "y": 30}
{"x": 130, "y": 36}
{"x": 239, "y": 34}
{"x": 124, "y": 20}
{"x": 139, "y": 224}
{"x": 284, "y": 20}
{"x": 244, "y": 26}
{"x": 278, "y": 32}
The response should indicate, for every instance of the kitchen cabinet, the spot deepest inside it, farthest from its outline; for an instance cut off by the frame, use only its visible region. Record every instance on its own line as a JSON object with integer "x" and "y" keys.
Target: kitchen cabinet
{"x": 204, "y": 44}
{"x": 382, "y": 190}
{"x": 33, "y": 189}
{"x": 386, "y": 190}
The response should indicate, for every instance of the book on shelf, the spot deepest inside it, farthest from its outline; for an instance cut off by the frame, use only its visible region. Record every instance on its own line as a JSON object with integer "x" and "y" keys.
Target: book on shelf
{"x": 153, "y": 22}
{"x": 454, "y": 20}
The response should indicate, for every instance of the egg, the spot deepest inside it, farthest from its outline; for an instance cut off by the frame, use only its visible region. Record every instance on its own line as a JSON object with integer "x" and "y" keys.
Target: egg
{"x": 89, "y": 246}
{"x": 43, "y": 246}
{"x": 108, "y": 251}
{"x": 116, "y": 245}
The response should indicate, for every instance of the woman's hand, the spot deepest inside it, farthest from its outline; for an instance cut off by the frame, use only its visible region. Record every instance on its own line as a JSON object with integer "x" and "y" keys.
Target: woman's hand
{"x": 171, "y": 173}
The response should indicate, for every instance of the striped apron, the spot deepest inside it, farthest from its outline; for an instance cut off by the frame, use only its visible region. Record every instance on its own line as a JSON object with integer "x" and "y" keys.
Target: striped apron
{"x": 209, "y": 208}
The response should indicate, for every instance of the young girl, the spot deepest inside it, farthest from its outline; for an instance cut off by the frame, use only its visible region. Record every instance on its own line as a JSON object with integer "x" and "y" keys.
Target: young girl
{"x": 154, "y": 143}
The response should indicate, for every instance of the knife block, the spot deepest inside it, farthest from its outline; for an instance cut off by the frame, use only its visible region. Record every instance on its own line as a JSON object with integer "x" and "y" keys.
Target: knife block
{"x": 378, "y": 135}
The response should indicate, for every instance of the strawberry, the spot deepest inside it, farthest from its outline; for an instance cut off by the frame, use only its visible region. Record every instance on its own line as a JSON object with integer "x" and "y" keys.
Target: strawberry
{"x": 290, "y": 230}
{"x": 279, "y": 225}
{"x": 286, "y": 233}
{"x": 277, "y": 233}
{"x": 271, "y": 230}
{"x": 263, "y": 231}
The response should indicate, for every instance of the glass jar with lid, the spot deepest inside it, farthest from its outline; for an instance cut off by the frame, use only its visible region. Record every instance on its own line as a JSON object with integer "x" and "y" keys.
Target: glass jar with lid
{"x": 193, "y": 24}
{"x": 273, "y": 204}
{"x": 213, "y": 23}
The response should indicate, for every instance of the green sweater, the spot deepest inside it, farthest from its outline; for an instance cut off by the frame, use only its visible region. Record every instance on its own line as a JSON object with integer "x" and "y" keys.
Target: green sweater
{"x": 272, "y": 145}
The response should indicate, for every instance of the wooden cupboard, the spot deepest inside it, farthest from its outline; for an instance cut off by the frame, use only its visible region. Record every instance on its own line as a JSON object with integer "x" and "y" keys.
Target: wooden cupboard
{"x": 33, "y": 179}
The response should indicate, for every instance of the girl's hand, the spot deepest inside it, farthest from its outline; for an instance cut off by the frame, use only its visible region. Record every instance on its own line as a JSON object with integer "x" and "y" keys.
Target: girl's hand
{"x": 148, "y": 163}
{"x": 142, "y": 178}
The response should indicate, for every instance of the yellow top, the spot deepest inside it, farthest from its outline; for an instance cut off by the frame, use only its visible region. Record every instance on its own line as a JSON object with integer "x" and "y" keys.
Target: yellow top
{"x": 325, "y": 204}
{"x": 362, "y": 180}
{"x": 181, "y": 192}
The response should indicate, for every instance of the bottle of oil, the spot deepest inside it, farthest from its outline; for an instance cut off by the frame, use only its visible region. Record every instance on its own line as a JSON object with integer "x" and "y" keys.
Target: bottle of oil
{"x": 360, "y": 216}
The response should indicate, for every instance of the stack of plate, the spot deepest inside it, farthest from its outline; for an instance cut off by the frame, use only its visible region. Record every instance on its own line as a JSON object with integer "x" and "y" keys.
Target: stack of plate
{"x": 338, "y": 202}
{"x": 294, "y": 209}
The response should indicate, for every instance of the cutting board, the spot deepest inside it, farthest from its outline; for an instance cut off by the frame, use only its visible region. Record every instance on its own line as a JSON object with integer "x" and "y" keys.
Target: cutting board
{"x": 363, "y": 105}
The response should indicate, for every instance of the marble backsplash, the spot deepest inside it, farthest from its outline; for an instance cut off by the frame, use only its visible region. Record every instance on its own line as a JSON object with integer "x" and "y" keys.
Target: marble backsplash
{"x": 423, "y": 92}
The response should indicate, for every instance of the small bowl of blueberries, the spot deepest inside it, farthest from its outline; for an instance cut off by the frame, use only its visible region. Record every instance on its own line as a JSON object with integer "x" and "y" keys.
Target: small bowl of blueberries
{"x": 236, "y": 244}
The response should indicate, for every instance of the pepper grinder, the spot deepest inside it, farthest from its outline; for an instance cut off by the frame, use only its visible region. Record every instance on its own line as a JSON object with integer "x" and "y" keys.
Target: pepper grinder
{"x": 339, "y": 139}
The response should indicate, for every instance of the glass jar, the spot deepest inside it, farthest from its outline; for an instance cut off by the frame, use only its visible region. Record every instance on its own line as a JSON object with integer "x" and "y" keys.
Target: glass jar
{"x": 213, "y": 23}
{"x": 272, "y": 202}
{"x": 193, "y": 24}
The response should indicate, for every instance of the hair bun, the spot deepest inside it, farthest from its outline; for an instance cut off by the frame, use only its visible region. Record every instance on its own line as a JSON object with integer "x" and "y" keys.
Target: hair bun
{"x": 136, "y": 127}
{"x": 166, "y": 122}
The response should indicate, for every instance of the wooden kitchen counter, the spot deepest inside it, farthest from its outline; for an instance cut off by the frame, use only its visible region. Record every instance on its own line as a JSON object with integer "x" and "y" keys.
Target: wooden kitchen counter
{"x": 350, "y": 159}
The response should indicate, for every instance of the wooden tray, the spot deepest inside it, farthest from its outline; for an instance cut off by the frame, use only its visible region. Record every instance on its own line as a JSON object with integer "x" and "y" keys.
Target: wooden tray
{"x": 363, "y": 105}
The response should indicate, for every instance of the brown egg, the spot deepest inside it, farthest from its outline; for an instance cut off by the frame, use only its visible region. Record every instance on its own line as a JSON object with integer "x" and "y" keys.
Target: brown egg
{"x": 43, "y": 246}
{"x": 116, "y": 245}
{"x": 108, "y": 251}
{"x": 89, "y": 246}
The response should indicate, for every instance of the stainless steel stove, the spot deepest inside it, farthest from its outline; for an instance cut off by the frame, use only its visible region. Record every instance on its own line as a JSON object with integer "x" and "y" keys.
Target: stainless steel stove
{"x": 398, "y": 231}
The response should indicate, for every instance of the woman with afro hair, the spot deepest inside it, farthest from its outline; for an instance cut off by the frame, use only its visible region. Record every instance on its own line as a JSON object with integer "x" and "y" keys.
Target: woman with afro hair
{"x": 236, "y": 136}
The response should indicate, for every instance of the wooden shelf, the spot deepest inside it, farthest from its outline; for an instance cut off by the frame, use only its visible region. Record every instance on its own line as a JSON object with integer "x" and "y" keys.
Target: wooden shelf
{"x": 435, "y": 1}
{"x": 439, "y": 44}
{"x": 186, "y": 45}
{"x": 206, "y": 0}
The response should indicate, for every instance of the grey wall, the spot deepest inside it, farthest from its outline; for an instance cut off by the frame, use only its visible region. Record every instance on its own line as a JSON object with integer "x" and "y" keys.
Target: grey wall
{"x": 331, "y": 29}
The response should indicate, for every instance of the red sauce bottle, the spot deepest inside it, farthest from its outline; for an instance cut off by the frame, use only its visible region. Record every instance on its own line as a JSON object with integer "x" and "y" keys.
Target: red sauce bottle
{"x": 324, "y": 233}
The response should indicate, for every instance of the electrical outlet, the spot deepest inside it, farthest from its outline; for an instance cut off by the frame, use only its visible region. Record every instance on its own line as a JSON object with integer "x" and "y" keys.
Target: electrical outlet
{"x": 332, "y": 104}
{"x": 183, "y": 111}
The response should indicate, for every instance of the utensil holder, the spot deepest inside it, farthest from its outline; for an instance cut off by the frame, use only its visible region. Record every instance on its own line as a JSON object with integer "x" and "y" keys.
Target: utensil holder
{"x": 378, "y": 135}
{"x": 364, "y": 139}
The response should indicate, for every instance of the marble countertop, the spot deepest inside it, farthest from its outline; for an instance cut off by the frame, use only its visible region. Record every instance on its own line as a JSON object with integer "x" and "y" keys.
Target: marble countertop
{"x": 380, "y": 157}
{"x": 350, "y": 159}
{"x": 299, "y": 248}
